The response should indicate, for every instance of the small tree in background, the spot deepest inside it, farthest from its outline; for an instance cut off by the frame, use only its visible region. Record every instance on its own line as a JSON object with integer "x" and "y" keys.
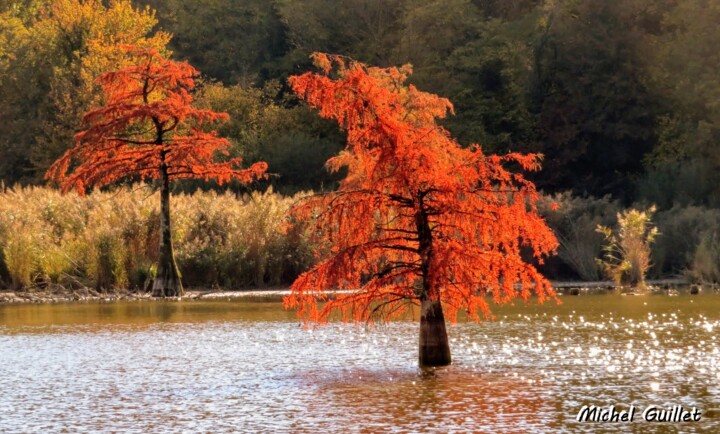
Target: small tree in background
{"x": 418, "y": 220}
{"x": 147, "y": 129}
{"x": 627, "y": 253}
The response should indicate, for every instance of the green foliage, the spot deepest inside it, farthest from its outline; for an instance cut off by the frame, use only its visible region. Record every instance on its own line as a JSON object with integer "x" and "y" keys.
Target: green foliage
{"x": 706, "y": 262}
{"x": 364, "y": 30}
{"x": 110, "y": 240}
{"x": 684, "y": 69}
{"x": 595, "y": 111}
{"x": 483, "y": 65}
{"x": 492, "y": 76}
{"x": 627, "y": 250}
{"x": 233, "y": 41}
{"x": 682, "y": 182}
{"x": 290, "y": 138}
{"x": 54, "y": 51}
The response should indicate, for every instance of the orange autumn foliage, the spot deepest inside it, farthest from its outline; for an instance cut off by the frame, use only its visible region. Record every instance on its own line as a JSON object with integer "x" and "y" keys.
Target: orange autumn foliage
{"x": 147, "y": 124}
{"x": 417, "y": 216}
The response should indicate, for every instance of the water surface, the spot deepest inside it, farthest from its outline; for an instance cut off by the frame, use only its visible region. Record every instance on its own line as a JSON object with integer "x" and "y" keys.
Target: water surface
{"x": 246, "y": 365}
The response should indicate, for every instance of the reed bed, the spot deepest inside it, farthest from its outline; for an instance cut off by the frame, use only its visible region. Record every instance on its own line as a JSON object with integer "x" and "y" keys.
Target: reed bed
{"x": 109, "y": 240}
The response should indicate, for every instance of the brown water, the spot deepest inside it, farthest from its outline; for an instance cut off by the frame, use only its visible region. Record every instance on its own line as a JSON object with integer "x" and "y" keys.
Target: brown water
{"x": 245, "y": 365}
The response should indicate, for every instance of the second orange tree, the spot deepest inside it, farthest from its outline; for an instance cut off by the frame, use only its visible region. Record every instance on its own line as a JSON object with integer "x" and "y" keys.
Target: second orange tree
{"x": 147, "y": 129}
{"x": 418, "y": 219}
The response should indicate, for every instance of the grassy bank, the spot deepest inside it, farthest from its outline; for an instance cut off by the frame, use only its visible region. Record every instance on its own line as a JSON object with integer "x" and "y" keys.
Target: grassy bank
{"x": 109, "y": 240}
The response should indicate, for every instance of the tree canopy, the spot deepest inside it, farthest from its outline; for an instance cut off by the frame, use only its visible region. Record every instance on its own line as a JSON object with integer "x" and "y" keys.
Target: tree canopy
{"x": 418, "y": 217}
{"x": 146, "y": 124}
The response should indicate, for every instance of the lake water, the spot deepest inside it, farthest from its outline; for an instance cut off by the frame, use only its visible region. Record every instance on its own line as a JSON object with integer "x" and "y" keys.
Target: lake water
{"x": 245, "y": 365}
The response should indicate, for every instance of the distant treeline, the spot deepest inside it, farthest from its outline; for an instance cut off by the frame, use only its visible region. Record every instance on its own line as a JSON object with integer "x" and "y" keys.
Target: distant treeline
{"x": 622, "y": 97}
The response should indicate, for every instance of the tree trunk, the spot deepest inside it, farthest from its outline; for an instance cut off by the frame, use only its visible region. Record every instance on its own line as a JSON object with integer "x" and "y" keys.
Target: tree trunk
{"x": 167, "y": 279}
{"x": 434, "y": 346}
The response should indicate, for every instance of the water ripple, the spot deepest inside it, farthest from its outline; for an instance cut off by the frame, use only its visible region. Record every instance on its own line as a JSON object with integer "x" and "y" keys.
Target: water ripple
{"x": 531, "y": 370}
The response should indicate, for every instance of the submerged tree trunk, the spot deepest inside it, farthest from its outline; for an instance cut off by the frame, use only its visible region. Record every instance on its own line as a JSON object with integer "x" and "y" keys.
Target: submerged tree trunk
{"x": 167, "y": 279}
{"x": 434, "y": 346}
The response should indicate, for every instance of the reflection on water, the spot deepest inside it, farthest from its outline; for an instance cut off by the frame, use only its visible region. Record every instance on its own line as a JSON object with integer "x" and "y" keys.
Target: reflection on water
{"x": 244, "y": 365}
{"x": 44, "y": 318}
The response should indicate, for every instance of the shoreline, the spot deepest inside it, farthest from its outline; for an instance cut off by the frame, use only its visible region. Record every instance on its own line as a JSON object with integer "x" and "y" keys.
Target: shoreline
{"x": 87, "y": 295}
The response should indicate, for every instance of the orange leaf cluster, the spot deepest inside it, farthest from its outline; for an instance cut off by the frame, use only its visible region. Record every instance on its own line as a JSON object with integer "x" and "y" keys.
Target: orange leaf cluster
{"x": 417, "y": 215}
{"x": 148, "y": 122}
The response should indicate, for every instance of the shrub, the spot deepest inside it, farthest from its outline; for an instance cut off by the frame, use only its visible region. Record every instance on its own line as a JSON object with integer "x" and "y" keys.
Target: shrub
{"x": 627, "y": 250}
{"x": 690, "y": 241}
{"x": 706, "y": 261}
{"x": 575, "y": 222}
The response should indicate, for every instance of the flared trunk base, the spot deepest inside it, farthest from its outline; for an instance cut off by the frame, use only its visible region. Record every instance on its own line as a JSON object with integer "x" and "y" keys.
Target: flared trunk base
{"x": 167, "y": 284}
{"x": 167, "y": 280}
{"x": 434, "y": 346}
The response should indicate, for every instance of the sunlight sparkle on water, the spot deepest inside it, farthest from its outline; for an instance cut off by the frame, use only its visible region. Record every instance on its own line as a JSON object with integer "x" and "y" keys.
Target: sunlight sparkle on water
{"x": 256, "y": 371}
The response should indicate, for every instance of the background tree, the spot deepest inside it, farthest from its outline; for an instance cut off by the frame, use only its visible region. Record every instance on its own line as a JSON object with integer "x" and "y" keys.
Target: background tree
{"x": 618, "y": 96}
{"x": 481, "y": 60}
{"x": 595, "y": 111}
{"x": 147, "y": 129}
{"x": 54, "y": 51}
{"x": 684, "y": 166}
{"x": 363, "y": 29}
{"x": 264, "y": 126}
{"x": 418, "y": 219}
{"x": 242, "y": 44}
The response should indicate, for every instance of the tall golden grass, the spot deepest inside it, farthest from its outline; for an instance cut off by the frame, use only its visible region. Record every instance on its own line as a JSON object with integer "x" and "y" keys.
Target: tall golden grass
{"x": 109, "y": 240}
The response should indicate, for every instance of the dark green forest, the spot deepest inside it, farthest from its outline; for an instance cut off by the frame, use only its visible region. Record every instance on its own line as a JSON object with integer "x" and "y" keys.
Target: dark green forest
{"x": 621, "y": 97}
